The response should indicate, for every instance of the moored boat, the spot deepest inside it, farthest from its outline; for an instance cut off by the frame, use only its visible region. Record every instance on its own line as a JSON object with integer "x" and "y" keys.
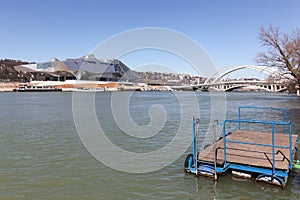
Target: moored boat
{"x": 27, "y": 88}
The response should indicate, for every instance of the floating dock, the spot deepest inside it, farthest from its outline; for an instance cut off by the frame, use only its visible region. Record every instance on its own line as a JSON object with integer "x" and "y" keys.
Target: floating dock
{"x": 266, "y": 156}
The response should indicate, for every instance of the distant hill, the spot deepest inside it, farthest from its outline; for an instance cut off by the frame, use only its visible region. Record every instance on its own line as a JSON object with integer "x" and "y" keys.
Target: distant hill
{"x": 9, "y": 74}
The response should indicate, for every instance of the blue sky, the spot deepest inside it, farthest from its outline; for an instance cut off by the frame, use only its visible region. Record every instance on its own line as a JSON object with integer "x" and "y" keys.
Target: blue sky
{"x": 34, "y": 30}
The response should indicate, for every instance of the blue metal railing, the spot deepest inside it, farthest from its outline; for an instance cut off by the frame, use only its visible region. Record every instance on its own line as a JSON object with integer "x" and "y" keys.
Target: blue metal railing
{"x": 195, "y": 122}
{"x": 194, "y": 141}
{"x": 284, "y": 112}
{"x": 272, "y": 123}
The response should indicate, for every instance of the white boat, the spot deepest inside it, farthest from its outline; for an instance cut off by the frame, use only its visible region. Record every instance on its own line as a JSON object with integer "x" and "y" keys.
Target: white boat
{"x": 33, "y": 88}
{"x": 89, "y": 90}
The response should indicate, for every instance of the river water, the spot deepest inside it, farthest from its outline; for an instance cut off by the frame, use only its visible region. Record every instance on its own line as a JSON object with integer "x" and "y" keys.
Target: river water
{"x": 42, "y": 156}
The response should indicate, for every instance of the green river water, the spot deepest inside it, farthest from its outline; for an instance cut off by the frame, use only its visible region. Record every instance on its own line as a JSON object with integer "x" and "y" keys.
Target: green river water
{"x": 42, "y": 156}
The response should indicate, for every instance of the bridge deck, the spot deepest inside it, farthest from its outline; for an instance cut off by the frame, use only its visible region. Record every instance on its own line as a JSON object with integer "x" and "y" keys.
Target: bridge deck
{"x": 251, "y": 155}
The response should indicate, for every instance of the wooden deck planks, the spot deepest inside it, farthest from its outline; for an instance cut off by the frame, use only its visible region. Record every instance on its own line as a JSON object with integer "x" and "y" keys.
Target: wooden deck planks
{"x": 252, "y": 155}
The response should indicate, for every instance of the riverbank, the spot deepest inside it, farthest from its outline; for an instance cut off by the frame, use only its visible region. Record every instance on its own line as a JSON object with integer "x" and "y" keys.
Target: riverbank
{"x": 8, "y": 87}
{"x": 74, "y": 85}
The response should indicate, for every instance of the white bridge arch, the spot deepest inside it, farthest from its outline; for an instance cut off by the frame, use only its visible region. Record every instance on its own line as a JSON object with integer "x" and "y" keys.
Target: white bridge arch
{"x": 215, "y": 82}
{"x": 227, "y": 70}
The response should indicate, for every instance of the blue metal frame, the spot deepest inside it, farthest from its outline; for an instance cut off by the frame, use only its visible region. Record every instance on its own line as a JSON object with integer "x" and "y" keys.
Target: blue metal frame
{"x": 284, "y": 111}
{"x": 273, "y": 123}
{"x": 259, "y": 170}
{"x": 194, "y": 143}
{"x": 273, "y": 173}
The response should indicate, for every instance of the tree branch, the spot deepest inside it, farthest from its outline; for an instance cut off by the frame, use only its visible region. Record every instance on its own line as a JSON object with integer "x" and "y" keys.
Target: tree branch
{"x": 284, "y": 50}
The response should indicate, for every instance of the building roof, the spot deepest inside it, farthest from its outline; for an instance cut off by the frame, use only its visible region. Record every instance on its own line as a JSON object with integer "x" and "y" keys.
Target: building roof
{"x": 84, "y": 67}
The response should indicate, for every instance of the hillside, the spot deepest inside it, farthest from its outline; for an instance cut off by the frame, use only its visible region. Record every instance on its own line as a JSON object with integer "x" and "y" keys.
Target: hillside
{"x": 9, "y": 74}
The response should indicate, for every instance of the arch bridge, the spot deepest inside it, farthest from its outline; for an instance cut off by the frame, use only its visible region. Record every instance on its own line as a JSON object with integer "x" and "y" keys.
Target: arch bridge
{"x": 216, "y": 81}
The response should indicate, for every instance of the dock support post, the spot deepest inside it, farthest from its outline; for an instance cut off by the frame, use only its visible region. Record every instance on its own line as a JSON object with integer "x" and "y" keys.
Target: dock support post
{"x": 291, "y": 147}
{"x": 224, "y": 138}
{"x": 273, "y": 151}
{"x": 194, "y": 146}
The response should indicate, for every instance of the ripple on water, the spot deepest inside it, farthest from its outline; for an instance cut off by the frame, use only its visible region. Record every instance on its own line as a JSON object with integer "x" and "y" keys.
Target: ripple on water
{"x": 43, "y": 158}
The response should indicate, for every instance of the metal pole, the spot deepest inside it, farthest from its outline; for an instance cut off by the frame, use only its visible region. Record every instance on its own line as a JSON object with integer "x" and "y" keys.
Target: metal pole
{"x": 214, "y": 138}
{"x": 291, "y": 148}
{"x": 273, "y": 151}
{"x": 194, "y": 146}
{"x": 224, "y": 138}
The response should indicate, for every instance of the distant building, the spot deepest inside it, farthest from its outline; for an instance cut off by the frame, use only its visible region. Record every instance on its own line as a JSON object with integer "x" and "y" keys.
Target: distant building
{"x": 84, "y": 68}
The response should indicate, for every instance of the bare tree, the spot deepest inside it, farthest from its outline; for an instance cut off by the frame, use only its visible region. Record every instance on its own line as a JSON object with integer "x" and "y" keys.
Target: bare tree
{"x": 283, "y": 52}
